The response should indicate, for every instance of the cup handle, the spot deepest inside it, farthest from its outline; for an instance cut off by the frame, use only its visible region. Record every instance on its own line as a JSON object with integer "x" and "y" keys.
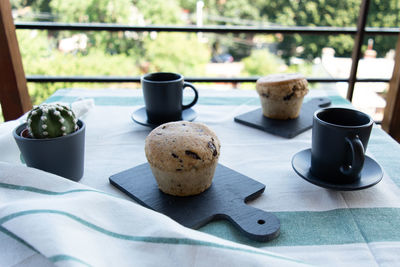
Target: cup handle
{"x": 357, "y": 152}
{"x": 196, "y": 95}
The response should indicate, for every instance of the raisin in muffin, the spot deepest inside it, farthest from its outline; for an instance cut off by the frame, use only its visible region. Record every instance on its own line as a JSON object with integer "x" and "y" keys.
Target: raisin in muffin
{"x": 282, "y": 95}
{"x": 183, "y": 157}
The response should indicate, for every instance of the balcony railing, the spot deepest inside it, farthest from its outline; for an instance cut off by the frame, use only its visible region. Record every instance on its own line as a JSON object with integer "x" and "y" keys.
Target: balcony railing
{"x": 57, "y": 26}
{"x": 15, "y": 99}
{"x": 358, "y": 32}
{"x": 18, "y": 93}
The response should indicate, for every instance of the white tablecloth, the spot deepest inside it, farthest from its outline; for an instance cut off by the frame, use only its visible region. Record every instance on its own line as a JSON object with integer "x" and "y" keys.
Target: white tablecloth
{"x": 318, "y": 226}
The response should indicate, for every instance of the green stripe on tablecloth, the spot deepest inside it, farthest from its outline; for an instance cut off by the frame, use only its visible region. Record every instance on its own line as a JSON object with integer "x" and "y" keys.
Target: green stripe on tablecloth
{"x": 340, "y": 226}
{"x": 379, "y": 145}
{"x": 57, "y": 258}
{"x": 334, "y": 227}
{"x": 100, "y": 100}
{"x": 147, "y": 239}
{"x": 206, "y": 100}
{"x": 13, "y": 236}
{"x": 138, "y": 101}
{"x": 46, "y": 192}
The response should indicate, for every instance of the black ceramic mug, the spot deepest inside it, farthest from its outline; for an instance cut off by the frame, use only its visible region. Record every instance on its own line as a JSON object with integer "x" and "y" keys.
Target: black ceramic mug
{"x": 339, "y": 141}
{"x": 163, "y": 96}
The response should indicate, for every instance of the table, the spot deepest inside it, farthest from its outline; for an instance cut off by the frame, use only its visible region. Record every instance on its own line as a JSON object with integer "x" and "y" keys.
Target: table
{"x": 318, "y": 226}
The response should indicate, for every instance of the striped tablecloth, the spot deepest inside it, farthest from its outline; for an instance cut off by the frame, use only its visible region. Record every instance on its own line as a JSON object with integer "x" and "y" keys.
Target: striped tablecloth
{"x": 49, "y": 220}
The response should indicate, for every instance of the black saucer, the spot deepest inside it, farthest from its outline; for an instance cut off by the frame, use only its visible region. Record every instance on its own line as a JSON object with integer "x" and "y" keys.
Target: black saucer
{"x": 371, "y": 173}
{"x": 139, "y": 116}
{"x": 285, "y": 128}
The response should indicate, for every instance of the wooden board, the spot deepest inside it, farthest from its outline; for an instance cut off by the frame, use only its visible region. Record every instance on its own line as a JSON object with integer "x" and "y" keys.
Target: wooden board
{"x": 225, "y": 199}
{"x": 284, "y": 128}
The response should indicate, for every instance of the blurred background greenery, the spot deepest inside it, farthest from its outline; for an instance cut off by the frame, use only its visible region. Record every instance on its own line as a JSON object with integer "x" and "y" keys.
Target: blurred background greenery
{"x": 135, "y": 53}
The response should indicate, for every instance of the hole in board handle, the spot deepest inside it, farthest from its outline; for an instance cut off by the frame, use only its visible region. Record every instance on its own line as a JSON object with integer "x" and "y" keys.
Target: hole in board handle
{"x": 260, "y": 221}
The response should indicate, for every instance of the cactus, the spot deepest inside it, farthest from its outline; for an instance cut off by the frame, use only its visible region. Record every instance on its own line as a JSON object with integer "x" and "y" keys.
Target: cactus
{"x": 50, "y": 121}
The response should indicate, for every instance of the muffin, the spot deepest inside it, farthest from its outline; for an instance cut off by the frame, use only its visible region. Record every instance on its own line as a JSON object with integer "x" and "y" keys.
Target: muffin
{"x": 282, "y": 95}
{"x": 183, "y": 157}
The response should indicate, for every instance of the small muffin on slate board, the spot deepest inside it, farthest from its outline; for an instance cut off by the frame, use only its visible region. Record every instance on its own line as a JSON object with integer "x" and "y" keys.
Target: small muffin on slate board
{"x": 282, "y": 95}
{"x": 183, "y": 157}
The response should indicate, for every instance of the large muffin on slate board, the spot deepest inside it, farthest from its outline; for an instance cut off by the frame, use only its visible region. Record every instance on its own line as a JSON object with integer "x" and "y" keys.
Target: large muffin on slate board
{"x": 282, "y": 95}
{"x": 183, "y": 157}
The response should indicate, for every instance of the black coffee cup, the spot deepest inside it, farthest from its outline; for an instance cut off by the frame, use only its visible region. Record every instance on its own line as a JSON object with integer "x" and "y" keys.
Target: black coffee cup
{"x": 339, "y": 141}
{"x": 163, "y": 96}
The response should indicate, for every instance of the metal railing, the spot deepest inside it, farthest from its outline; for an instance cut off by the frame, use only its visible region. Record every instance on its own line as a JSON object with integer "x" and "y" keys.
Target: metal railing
{"x": 58, "y": 26}
{"x": 358, "y": 32}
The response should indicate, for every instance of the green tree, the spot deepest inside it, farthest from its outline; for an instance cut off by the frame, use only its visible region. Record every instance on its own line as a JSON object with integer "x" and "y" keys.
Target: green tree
{"x": 382, "y": 13}
{"x": 118, "y": 53}
{"x": 232, "y": 12}
{"x": 160, "y": 12}
{"x": 110, "y": 11}
{"x": 261, "y": 63}
{"x": 177, "y": 52}
{"x": 311, "y": 13}
{"x": 102, "y": 11}
{"x": 39, "y": 59}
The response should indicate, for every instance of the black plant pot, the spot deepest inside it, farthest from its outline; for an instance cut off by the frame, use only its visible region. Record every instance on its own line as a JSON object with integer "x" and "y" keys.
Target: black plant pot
{"x": 63, "y": 155}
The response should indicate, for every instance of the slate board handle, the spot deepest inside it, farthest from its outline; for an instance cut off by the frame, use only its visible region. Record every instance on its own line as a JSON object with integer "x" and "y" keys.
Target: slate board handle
{"x": 255, "y": 223}
{"x": 320, "y": 102}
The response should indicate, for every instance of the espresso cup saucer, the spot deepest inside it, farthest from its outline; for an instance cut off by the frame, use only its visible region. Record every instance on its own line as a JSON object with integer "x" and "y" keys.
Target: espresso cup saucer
{"x": 139, "y": 116}
{"x": 371, "y": 173}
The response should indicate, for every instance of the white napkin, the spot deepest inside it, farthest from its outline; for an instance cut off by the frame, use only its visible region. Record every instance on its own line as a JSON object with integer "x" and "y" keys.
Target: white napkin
{"x": 73, "y": 225}
{"x": 80, "y": 107}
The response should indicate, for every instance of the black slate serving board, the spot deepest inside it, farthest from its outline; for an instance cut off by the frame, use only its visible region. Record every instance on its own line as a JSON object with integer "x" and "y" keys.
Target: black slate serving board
{"x": 284, "y": 128}
{"x": 225, "y": 199}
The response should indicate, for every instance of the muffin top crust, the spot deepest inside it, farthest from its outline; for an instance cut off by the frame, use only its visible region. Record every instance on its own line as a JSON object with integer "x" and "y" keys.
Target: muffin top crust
{"x": 280, "y": 86}
{"x": 182, "y": 146}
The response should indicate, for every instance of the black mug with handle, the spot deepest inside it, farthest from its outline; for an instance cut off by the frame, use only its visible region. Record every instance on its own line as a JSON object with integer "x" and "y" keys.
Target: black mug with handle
{"x": 163, "y": 96}
{"x": 339, "y": 140}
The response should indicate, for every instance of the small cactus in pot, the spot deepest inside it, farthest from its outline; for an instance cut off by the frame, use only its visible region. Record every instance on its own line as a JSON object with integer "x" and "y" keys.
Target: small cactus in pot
{"x": 55, "y": 130}
{"x": 50, "y": 121}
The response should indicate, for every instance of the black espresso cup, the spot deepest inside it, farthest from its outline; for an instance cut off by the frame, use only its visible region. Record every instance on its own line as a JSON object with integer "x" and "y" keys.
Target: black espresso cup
{"x": 163, "y": 96}
{"x": 339, "y": 141}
